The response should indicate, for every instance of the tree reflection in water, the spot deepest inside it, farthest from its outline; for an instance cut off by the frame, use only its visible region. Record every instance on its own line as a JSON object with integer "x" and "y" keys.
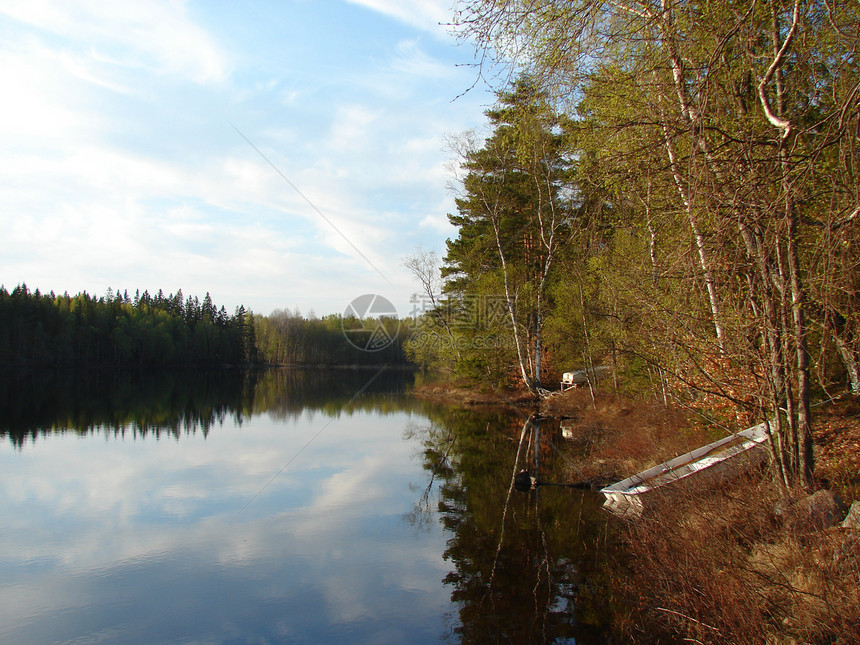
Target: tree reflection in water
{"x": 176, "y": 402}
{"x": 528, "y": 568}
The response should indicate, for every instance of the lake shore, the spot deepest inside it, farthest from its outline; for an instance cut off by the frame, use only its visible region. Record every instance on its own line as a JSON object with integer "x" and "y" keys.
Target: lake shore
{"x": 468, "y": 394}
{"x": 748, "y": 562}
{"x": 627, "y": 434}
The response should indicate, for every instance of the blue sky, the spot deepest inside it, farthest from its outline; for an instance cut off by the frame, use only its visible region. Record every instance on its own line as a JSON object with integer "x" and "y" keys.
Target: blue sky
{"x": 125, "y": 159}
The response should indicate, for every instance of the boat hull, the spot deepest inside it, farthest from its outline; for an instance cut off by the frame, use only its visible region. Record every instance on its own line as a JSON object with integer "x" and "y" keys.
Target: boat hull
{"x": 717, "y": 461}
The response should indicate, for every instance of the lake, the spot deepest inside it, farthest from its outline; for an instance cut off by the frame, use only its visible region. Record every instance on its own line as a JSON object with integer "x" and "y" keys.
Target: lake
{"x": 302, "y": 506}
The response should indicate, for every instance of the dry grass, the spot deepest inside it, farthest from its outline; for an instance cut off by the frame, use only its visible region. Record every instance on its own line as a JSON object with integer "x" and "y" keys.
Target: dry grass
{"x": 720, "y": 565}
{"x": 836, "y": 428}
{"x": 721, "y": 568}
{"x": 465, "y": 393}
{"x": 620, "y": 436}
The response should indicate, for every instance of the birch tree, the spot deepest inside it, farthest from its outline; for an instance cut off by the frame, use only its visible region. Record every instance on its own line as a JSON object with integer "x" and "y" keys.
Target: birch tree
{"x": 755, "y": 107}
{"x": 512, "y": 218}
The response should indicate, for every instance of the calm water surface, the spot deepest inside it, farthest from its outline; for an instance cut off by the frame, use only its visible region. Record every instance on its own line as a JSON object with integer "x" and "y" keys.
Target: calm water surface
{"x": 300, "y": 507}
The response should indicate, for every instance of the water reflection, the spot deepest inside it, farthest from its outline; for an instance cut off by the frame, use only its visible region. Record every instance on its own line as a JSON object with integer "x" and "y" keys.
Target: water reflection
{"x": 299, "y": 506}
{"x": 209, "y": 538}
{"x": 527, "y": 567}
{"x": 184, "y": 402}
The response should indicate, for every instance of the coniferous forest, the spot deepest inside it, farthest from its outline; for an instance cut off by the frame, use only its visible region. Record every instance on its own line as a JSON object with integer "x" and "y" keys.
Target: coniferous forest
{"x": 40, "y": 330}
{"x": 43, "y": 330}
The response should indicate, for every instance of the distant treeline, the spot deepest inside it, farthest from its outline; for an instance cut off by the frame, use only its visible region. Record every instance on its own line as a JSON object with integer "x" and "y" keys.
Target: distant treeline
{"x": 287, "y": 338}
{"x": 43, "y": 330}
{"x": 49, "y": 330}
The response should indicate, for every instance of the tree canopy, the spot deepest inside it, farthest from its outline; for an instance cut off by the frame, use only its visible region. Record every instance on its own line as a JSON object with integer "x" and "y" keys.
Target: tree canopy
{"x": 44, "y": 330}
{"x": 708, "y": 204}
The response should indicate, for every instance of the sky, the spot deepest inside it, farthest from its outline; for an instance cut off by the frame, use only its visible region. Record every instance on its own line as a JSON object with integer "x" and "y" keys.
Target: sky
{"x": 275, "y": 154}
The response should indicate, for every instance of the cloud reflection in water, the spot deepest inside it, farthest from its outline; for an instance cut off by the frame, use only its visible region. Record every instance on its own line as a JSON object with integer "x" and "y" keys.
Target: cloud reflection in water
{"x": 124, "y": 539}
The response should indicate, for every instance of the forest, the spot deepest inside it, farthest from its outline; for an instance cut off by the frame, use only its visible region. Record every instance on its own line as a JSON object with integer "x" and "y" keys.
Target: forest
{"x": 667, "y": 189}
{"x": 288, "y": 338}
{"x": 117, "y": 330}
{"x": 47, "y": 330}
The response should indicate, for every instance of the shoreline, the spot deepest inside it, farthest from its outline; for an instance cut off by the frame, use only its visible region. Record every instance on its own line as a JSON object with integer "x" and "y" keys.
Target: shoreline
{"x": 626, "y": 435}
{"x": 470, "y": 395}
{"x": 752, "y": 560}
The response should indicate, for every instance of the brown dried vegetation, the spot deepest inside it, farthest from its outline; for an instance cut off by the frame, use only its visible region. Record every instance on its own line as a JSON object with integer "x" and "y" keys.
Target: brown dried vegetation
{"x": 836, "y": 429}
{"x": 728, "y": 564}
{"x": 619, "y": 436}
{"x": 466, "y": 393}
{"x": 724, "y": 568}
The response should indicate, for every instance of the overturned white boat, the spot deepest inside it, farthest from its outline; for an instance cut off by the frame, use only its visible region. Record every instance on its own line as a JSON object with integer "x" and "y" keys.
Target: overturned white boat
{"x": 725, "y": 458}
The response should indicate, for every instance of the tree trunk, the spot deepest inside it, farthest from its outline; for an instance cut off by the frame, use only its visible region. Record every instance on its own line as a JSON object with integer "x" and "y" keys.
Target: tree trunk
{"x": 699, "y": 238}
{"x": 510, "y": 299}
{"x": 849, "y": 360}
{"x": 798, "y": 302}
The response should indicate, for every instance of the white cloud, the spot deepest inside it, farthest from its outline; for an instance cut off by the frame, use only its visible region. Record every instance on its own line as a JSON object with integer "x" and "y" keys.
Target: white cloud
{"x": 351, "y": 128}
{"x": 415, "y": 63}
{"x": 86, "y": 69}
{"x": 423, "y": 14}
{"x": 153, "y": 34}
{"x": 438, "y": 222}
{"x": 29, "y": 111}
{"x": 118, "y": 146}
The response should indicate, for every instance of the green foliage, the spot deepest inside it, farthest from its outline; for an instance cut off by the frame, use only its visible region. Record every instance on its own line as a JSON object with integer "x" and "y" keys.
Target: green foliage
{"x": 38, "y": 330}
{"x": 717, "y": 156}
{"x": 286, "y": 338}
{"x": 512, "y": 217}
{"x": 45, "y": 330}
